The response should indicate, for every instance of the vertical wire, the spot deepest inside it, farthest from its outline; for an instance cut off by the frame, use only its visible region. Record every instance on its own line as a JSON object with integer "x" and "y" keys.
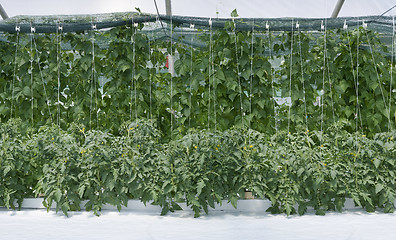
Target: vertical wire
{"x": 376, "y": 71}
{"x": 358, "y": 113}
{"x": 324, "y": 71}
{"x": 157, "y": 67}
{"x": 57, "y": 64}
{"x": 31, "y": 74}
{"x": 42, "y": 78}
{"x": 171, "y": 82}
{"x": 357, "y": 83}
{"x": 213, "y": 82}
{"x": 134, "y": 70}
{"x": 14, "y": 75}
{"x": 302, "y": 78}
{"x": 251, "y": 75}
{"x": 210, "y": 66}
{"x": 132, "y": 73}
{"x": 391, "y": 73}
{"x": 150, "y": 75}
{"x": 239, "y": 77}
{"x": 94, "y": 77}
{"x": 272, "y": 78}
{"x": 191, "y": 73}
{"x": 290, "y": 79}
{"x": 91, "y": 88}
{"x": 331, "y": 93}
{"x": 58, "y": 59}
{"x": 323, "y": 83}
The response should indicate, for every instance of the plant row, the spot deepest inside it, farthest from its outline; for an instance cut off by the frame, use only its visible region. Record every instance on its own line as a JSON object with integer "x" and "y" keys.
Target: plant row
{"x": 201, "y": 168}
{"x": 104, "y": 78}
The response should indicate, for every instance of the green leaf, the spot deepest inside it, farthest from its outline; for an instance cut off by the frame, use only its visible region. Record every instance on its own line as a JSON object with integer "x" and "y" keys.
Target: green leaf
{"x": 344, "y": 85}
{"x": 300, "y": 171}
{"x": 333, "y": 174}
{"x": 81, "y": 191}
{"x": 65, "y": 208}
{"x": 26, "y": 91}
{"x": 377, "y": 162}
{"x": 233, "y": 201}
{"x": 234, "y": 13}
{"x": 165, "y": 210}
{"x": 176, "y": 206}
{"x": 58, "y": 195}
{"x": 7, "y": 169}
{"x": 200, "y": 186}
{"x": 378, "y": 188}
{"x": 167, "y": 186}
{"x": 356, "y": 199}
{"x": 258, "y": 191}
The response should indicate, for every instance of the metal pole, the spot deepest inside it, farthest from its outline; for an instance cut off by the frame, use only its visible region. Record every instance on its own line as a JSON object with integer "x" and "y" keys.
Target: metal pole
{"x": 171, "y": 65}
{"x": 168, "y": 7}
{"x": 337, "y": 8}
{"x": 3, "y": 12}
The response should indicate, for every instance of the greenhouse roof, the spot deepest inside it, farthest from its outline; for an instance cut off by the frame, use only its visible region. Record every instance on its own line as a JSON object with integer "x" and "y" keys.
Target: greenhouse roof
{"x": 204, "y": 8}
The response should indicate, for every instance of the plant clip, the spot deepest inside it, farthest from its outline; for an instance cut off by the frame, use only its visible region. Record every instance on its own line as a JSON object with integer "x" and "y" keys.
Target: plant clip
{"x": 322, "y": 26}
{"x": 93, "y": 26}
{"x": 267, "y": 26}
{"x": 297, "y": 25}
{"x": 210, "y": 22}
{"x": 345, "y": 27}
{"x": 135, "y": 24}
{"x": 60, "y": 28}
{"x": 192, "y": 26}
{"x": 364, "y": 25}
{"x": 17, "y": 28}
{"x": 32, "y": 29}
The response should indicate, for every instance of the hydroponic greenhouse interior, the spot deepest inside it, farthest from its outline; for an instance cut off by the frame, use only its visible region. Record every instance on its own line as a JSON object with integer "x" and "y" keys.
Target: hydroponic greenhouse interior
{"x": 179, "y": 111}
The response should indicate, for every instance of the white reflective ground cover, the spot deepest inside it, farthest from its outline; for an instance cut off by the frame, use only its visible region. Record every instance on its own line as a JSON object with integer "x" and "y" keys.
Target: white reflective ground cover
{"x": 351, "y": 224}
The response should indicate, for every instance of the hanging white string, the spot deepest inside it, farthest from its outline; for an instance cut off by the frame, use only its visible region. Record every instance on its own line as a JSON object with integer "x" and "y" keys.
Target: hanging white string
{"x": 94, "y": 83}
{"x": 150, "y": 74}
{"x": 58, "y": 61}
{"x": 213, "y": 82}
{"x": 238, "y": 73}
{"x": 132, "y": 72}
{"x": 209, "y": 68}
{"x": 324, "y": 29}
{"x": 42, "y": 77}
{"x": 31, "y": 70}
{"x": 358, "y": 113}
{"x": 290, "y": 80}
{"x": 330, "y": 91}
{"x": 357, "y": 86}
{"x": 267, "y": 26}
{"x": 302, "y": 75}
{"x": 251, "y": 75}
{"x": 376, "y": 70}
{"x": 171, "y": 82}
{"x": 135, "y": 25}
{"x": 157, "y": 65}
{"x": 191, "y": 73}
{"x": 17, "y": 29}
{"x": 391, "y": 73}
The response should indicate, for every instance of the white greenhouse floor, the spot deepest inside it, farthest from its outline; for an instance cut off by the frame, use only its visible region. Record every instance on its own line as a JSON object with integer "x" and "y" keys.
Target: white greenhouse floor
{"x": 227, "y": 224}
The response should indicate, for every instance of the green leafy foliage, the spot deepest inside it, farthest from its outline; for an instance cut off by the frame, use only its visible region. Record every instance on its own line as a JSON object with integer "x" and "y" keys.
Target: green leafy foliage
{"x": 88, "y": 119}
{"x": 109, "y": 77}
{"x": 201, "y": 168}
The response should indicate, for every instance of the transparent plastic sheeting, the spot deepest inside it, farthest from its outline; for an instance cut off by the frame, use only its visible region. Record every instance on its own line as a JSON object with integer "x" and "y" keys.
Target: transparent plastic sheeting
{"x": 78, "y": 23}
